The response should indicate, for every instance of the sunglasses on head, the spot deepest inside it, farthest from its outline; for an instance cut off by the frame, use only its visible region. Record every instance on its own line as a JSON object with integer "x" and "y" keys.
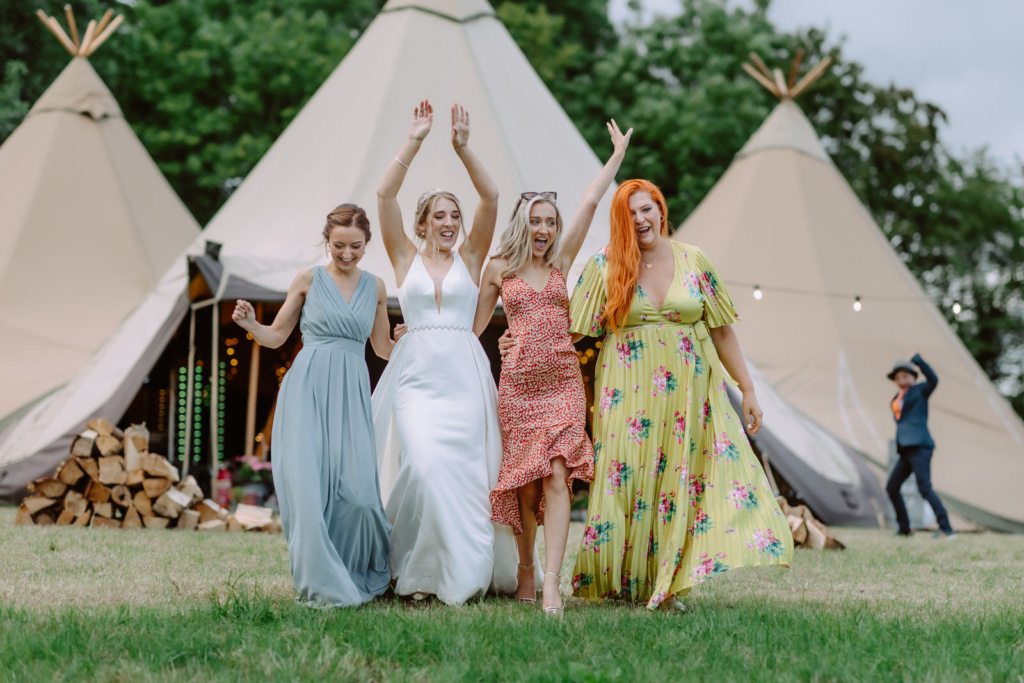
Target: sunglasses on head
{"x": 527, "y": 196}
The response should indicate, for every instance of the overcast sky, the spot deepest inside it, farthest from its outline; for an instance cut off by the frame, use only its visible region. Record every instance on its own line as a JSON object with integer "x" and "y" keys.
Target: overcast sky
{"x": 967, "y": 56}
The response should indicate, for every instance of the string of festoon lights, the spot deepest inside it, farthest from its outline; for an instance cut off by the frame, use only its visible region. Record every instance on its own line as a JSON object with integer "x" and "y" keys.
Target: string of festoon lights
{"x": 856, "y": 300}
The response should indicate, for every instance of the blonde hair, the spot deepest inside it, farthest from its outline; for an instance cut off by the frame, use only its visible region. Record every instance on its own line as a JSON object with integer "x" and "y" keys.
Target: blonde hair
{"x": 516, "y": 245}
{"x": 425, "y": 207}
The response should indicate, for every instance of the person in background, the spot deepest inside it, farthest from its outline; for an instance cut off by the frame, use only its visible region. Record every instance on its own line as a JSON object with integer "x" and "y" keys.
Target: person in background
{"x": 914, "y": 443}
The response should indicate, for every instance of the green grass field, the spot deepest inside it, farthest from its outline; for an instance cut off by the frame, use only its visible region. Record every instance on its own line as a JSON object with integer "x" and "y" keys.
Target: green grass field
{"x": 89, "y": 604}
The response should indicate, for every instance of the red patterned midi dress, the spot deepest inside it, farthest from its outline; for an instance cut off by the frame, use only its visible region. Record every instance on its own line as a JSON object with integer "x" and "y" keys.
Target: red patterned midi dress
{"x": 541, "y": 404}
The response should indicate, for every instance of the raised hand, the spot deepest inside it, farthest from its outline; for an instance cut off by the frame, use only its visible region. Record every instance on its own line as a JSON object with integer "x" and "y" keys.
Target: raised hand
{"x": 619, "y": 141}
{"x": 460, "y": 126}
{"x": 422, "y": 120}
{"x": 244, "y": 314}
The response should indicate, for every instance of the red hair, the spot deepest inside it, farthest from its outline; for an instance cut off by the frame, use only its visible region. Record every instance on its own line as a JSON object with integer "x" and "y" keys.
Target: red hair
{"x": 623, "y": 252}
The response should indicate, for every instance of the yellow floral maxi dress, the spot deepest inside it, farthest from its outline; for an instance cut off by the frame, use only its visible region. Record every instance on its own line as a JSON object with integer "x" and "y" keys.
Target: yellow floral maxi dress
{"x": 678, "y": 494}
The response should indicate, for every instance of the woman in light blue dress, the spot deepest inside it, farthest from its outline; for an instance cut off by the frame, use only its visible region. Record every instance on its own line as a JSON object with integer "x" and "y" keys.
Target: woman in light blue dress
{"x": 323, "y": 450}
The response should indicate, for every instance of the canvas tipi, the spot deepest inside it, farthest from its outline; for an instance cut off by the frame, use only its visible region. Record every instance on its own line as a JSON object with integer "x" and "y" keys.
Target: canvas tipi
{"x": 836, "y": 307}
{"x": 88, "y": 229}
{"x": 88, "y": 225}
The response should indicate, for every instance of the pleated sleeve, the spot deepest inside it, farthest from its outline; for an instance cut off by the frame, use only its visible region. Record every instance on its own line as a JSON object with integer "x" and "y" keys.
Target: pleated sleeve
{"x": 719, "y": 309}
{"x": 588, "y": 299}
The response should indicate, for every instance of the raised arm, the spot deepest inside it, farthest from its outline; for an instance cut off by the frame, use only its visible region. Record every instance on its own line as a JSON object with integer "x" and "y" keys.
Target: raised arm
{"x": 400, "y": 248}
{"x": 580, "y": 224}
{"x": 727, "y": 344}
{"x": 490, "y": 288}
{"x": 930, "y": 378}
{"x": 478, "y": 243}
{"x": 277, "y": 332}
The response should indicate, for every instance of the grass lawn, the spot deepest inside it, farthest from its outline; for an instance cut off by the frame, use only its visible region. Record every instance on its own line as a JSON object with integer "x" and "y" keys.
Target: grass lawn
{"x": 91, "y": 604}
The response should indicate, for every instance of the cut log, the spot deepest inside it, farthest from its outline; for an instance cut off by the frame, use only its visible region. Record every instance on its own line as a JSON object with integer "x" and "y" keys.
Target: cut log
{"x": 815, "y": 536}
{"x": 103, "y": 510}
{"x": 100, "y": 426}
{"x": 121, "y": 495}
{"x": 49, "y": 487}
{"x": 136, "y": 445}
{"x": 189, "y": 520}
{"x": 70, "y": 472}
{"x": 213, "y": 525}
{"x": 97, "y": 492}
{"x": 252, "y": 516}
{"x": 171, "y": 503}
{"x": 799, "y": 529}
{"x": 65, "y": 517}
{"x": 105, "y": 522}
{"x": 154, "y": 488}
{"x": 151, "y": 522}
{"x": 108, "y": 445}
{"x": 143, "y": 504}
{"x": 131, "y": 519}
{"x": 274, "y": 527}
{"x": 190, "y": 487}
{"x": 234, "y": 524}
{"x": 210, "y": 510}
{"x": 45, "y": 518}
{"x": 90, "y": 467}
{"x": 36, "y": 503}
{"x": 83, "y": 519}
{"x": 75, "y": 502}
{"x": 112, "y": 470}
{"x": 135, "y": 477}
{"x": 83, "y": 443}
{"x": 157, "y": 466}
{"x": 24, "y": 517}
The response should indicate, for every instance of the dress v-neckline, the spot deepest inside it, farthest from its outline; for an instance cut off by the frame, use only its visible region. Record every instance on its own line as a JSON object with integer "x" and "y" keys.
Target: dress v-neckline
{"x": 438, "y": 284}
{"x": 668, "y": 290}
{"x": 355, "y": 290}
{"x": 542, "y": 289}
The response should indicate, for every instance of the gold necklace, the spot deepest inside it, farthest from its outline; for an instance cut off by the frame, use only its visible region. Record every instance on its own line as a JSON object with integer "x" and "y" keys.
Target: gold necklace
{"x": 646, "y": 263}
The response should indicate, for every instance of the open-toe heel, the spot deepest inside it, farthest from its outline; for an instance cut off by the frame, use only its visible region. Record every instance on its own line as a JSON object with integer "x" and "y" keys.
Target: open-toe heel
{"x": 554, "y": 610}
{"x": 526, "y": 601}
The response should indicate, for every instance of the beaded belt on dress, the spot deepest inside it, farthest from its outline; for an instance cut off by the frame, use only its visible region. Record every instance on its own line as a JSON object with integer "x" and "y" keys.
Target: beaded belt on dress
{"x": 457, "y": 328}
{"x": 343, "y": 343}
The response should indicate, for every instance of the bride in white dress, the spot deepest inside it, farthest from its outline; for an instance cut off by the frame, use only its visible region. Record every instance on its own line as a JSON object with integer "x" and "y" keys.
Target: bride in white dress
{"x": 435, "y": 407}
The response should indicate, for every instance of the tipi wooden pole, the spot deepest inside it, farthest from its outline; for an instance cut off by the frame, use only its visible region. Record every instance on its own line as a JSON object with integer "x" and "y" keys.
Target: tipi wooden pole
{"x": 72, "y": 25}
{"x": 794, "y": 70}
{"x": 254, "y": 379}
{"x": 761, "y": 66}
{"x": 104, "y": 20}
{"x": 769, "y": 86}
{"x": 810, "y": 77}
{"x": 780, "y": 83}
{"x": 102, "y": 37}
{"x": 90, "y": 31}
{"x": 54, "y": 28}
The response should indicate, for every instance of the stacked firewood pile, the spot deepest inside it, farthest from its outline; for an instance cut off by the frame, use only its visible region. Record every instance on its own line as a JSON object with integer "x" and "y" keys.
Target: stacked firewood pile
{"x": 808, "y": 532}
{"x": 112, "y": 480}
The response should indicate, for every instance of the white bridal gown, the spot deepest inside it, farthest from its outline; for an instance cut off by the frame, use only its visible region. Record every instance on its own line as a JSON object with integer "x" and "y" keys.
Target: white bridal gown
{"x": 439, "y": 446}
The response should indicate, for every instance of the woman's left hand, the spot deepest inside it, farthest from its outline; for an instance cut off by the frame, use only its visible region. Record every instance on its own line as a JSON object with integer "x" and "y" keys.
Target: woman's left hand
{"x": 752, "y": 414}
{"x": 460, "y": 126}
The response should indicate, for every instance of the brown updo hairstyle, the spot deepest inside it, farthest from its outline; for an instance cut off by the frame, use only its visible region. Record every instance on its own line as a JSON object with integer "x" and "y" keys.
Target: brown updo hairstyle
{"x": 345, "y": 216}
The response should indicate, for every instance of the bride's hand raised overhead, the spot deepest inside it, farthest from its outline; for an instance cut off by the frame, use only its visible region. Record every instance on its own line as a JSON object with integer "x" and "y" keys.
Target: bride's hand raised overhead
{"x": 460, "y": 126}
{"x": 422, "y": 120}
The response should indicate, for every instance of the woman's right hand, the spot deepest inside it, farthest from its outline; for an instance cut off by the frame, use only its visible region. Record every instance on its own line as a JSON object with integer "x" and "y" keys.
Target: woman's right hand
{"x": 422, "y": 120}
{"x": 505, "y": 344}
{"x": 244, "y": 314}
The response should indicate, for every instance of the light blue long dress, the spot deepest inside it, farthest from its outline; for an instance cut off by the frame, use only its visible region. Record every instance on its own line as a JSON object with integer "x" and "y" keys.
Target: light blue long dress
{"x": 324, "y": 456}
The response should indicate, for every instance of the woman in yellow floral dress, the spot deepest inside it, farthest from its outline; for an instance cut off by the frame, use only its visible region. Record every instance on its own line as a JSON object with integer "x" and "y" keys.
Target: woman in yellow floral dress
{"x": 678, "y": 495}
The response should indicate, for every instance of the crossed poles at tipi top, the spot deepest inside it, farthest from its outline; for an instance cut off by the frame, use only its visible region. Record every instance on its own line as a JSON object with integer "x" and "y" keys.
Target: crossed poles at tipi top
{"x": 782, "y": 88}
{"x": 95, "y": 33}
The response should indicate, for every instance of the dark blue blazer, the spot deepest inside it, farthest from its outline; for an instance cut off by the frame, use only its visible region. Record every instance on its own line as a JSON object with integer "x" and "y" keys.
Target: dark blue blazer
{"x": 912, "y": 427}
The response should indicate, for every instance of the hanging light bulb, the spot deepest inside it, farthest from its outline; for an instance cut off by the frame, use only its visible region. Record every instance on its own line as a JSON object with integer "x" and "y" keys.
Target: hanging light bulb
{"x": 957, "y": 308}
{"x": 856, "y": 303}
{"x": 757, "y": 292}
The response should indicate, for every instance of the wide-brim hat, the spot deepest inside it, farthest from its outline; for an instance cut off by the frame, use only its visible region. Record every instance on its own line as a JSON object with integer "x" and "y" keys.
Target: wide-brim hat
{"x": 902, "y": 365}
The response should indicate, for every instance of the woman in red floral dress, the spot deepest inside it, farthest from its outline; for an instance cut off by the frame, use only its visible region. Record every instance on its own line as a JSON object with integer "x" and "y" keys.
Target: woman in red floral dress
{"x": 541, "y": 404}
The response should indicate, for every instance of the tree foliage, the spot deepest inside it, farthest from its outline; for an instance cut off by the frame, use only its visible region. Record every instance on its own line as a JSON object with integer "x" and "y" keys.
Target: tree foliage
{"x": 208, "y": 85}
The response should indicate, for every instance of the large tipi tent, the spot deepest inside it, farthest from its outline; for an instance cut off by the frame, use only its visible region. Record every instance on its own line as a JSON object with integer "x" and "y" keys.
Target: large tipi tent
{"x": 339, "y": 144}
{"x": 88, "y": 227}
{"x": 88, "y": 224}
{"x": 838, "y": 307}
